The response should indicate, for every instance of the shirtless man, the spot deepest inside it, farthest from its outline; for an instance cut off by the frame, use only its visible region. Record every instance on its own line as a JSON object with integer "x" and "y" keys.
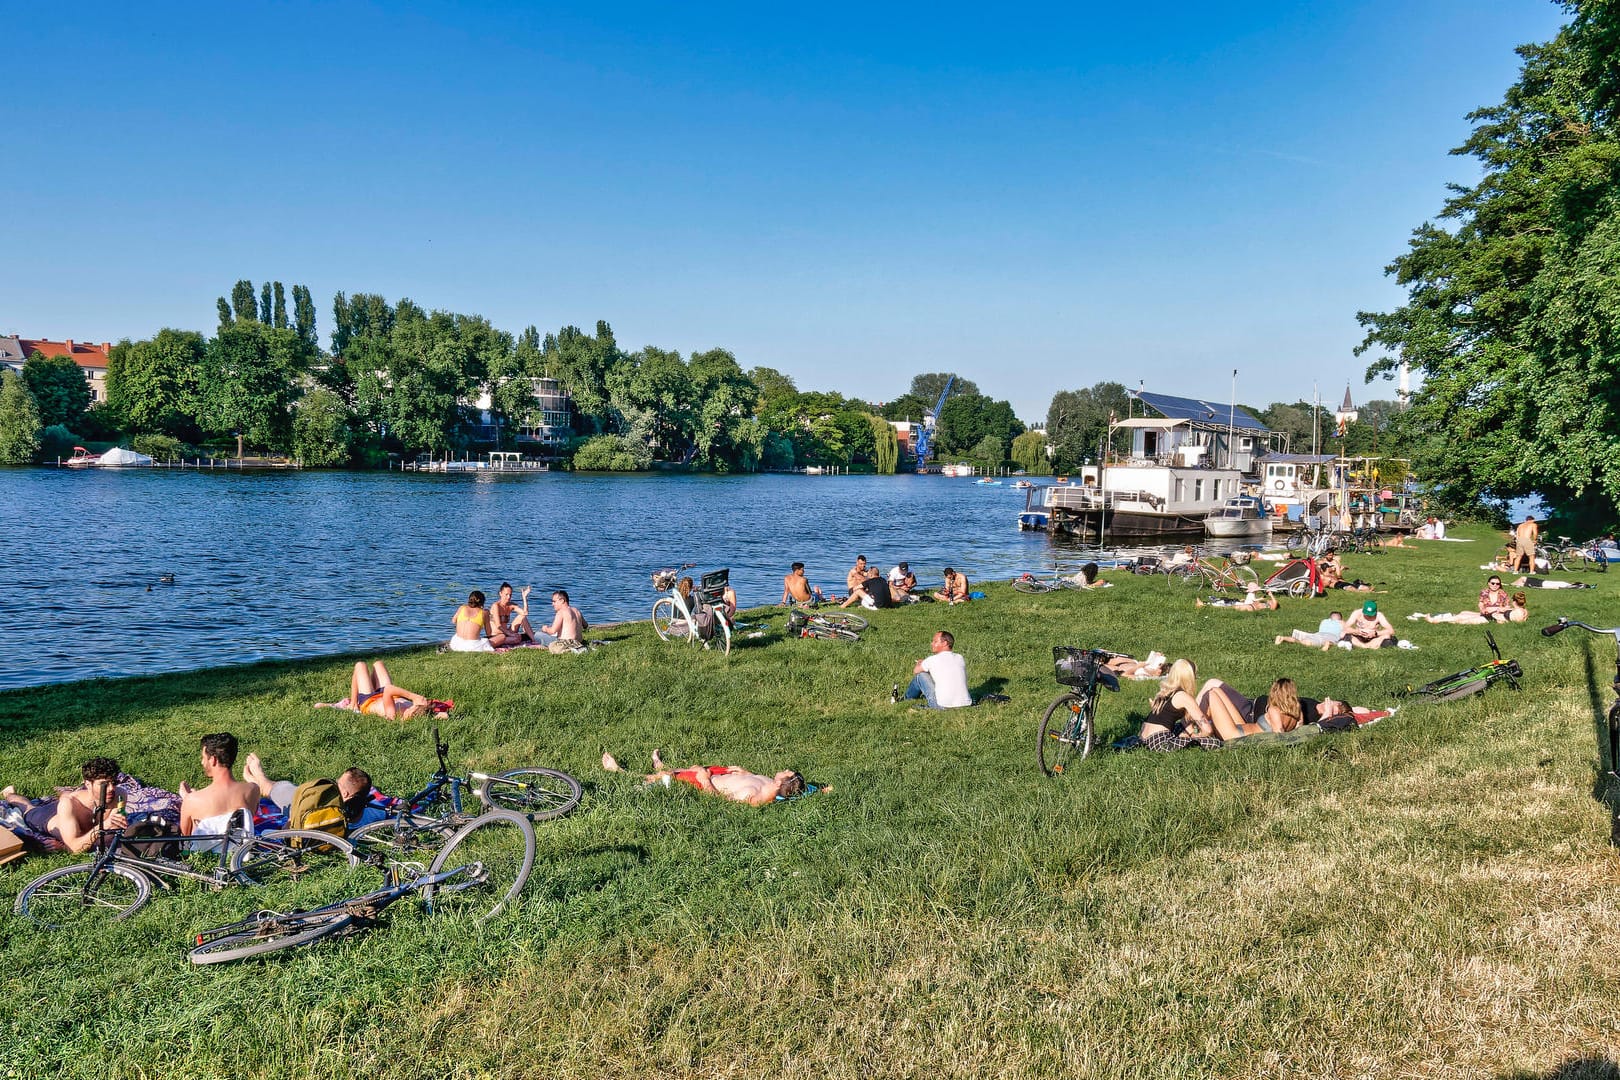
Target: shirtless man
{"x": 567, "y": 624}
{"x": 207, "y": 810}
{"x": 353, "y": 784}
{"x": 70, "y": 817}
{"x": 796, "y": 589}
{"x": 872, "y": 592}
{"x": 856, "y": 576}
{"x": 507, "y": 629}
{"x": 1368, "y": 628}
{"x": 728, "y": 781}
{"x": 1524, "y": 543}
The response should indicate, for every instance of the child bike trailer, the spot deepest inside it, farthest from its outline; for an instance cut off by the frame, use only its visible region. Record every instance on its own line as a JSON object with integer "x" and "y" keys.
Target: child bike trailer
{"x": 1297, "y": 577}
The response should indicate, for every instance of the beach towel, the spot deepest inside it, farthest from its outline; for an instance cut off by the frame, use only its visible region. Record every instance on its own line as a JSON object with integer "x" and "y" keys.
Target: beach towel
{"x": 809, "y": 790}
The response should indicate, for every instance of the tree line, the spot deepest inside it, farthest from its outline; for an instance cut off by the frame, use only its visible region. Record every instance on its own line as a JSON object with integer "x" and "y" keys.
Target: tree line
{"x": 400, "y": 380}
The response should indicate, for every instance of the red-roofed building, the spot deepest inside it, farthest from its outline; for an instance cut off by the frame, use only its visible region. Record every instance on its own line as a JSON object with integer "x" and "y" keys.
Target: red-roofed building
{"x": 92, "y": 359}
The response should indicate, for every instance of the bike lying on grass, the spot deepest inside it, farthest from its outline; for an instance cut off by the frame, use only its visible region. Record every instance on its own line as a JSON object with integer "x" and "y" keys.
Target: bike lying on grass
{"x": 1474, "y": 680}
{"x": 1069, "y": 728}
{"x": 480, "y": 870}
{"x": 118, "y": 881}
{"x": 433, "y": 813}
{"x": 829, "y": 625}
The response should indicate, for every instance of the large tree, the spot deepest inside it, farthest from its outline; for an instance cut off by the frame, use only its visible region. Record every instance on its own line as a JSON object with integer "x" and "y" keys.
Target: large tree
{"x": 1513, "y": 302}
{"x": 152, "y": 385}
{"x": 59, "y": 388}
{"x": 246, "y": 385}
{"x": 968, "y": 419}
{"x": 19, "y": 420}
{"x": 1077, "y": 421}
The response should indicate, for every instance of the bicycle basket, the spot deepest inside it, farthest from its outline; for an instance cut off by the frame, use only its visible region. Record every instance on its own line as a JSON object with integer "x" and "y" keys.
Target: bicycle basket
{"x": 664, "y": 580}
{"x": 1074, "y": 667}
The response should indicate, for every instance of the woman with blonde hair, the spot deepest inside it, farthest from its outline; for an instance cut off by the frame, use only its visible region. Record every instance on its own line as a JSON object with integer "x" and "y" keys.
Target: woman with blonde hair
{"x": 1174, "y": 720}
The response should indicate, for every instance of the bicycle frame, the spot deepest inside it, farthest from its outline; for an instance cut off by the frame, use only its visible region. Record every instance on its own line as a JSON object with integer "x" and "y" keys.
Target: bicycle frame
{"x": 110, "y": 844}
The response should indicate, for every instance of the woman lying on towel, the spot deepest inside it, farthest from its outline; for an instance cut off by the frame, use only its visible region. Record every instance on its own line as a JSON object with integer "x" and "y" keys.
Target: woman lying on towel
{"x": 1282, "y": 709}
{"x": 373, "y": 692}
{"x": 1519, "y": 612}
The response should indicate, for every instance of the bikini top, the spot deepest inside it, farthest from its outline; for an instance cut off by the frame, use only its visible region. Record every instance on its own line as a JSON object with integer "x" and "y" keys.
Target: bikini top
{"x": 466, "y": 614}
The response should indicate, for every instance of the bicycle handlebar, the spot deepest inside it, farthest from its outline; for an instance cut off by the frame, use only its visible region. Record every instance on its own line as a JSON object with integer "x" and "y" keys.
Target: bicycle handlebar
{"x": 1564, "y": 624}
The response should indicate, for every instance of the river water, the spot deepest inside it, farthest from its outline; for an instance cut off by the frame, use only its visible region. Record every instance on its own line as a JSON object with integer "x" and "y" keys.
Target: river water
{"x": 281, "y": 565}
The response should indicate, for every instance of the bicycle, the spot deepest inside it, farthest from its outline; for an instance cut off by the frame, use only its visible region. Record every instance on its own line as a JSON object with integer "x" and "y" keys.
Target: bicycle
{"x": 1611, "y": 768}
{"x": 499, "y": 851}
{"x": 432, "y": 814}
{"x": 828, "y": 626}
{"x": 673, "y": 619}
{"x": 1069, "y": 726}
{"x": 1034, "y": 586}
{"x": 118, "y": 881}
{"x": 1474, "y": 680}
{"x": 1565, "y": 554}
{"x": 1215, "y": 574}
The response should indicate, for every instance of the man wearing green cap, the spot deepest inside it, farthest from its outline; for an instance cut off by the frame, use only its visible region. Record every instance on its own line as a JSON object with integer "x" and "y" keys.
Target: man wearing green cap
{"x": 1368, "y": 629}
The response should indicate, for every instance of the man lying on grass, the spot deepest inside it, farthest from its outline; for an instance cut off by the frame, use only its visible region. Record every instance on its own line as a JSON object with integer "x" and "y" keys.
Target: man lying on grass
{"x": 728, "y": 781}
{"x": 70, "y": 816}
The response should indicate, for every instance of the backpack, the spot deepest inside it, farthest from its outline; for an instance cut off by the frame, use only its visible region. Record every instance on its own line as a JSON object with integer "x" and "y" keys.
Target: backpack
{"x": 150, "y": 836}
{"x": 317, "y": 805}
{"x": 703, "y": 620}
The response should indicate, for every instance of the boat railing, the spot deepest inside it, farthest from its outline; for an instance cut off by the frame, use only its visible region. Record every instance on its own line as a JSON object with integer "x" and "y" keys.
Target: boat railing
{"x": 1078, "y": 497}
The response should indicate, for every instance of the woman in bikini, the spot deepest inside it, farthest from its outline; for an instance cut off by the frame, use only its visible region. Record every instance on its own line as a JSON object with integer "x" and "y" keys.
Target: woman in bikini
{"x": 1175, "y": 720}
{"x": 472, "y": 621}
{"x": 510, "y": 630}
{"x": 372, "y": 692}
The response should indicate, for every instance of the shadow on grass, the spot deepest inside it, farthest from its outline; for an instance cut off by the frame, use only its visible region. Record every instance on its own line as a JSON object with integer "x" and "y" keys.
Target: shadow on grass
{"x": 1591, "y": 1067}
{"x": 1603, "y": 785}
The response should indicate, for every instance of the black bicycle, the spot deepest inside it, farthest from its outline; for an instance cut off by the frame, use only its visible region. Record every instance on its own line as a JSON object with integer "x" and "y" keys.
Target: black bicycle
{"x": 119, "y": 879}
{"x": 1473, "y": 681}
{"x": 1611, "y": 767}
{"x": 488, "y": 862}
{"x": 427, "y": 818}
{"x": 1069, "y": 728}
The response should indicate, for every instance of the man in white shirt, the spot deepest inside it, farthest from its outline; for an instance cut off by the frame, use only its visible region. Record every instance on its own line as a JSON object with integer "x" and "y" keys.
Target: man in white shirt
{"x": 901, "y": 582}
{"x": 940, "y": 678}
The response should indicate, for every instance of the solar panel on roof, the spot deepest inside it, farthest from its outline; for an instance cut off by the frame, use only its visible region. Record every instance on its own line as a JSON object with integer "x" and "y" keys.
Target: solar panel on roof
{"x": 1209, "y": 412}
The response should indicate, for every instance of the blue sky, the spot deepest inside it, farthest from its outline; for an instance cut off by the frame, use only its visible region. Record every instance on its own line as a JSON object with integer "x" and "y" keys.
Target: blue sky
{"x": 1037, "y": 198}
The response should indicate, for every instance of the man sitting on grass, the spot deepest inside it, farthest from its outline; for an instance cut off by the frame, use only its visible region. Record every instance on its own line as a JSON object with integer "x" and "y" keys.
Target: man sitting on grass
{"x": 872, "y": 592}
{"x": 940, "y": 678}
{"x": 1368, "y": 628}
{"x": 567, "y": 625}
{"x": 207, "y": 811}
{"x": 796, "y": 589}
{"x": 728, "y": 781}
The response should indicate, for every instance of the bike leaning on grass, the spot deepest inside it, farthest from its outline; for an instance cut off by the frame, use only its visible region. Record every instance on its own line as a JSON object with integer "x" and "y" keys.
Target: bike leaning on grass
{"x": 1069, "y": 727}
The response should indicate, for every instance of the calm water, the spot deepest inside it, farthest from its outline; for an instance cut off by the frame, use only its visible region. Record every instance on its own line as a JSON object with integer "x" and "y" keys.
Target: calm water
{"x": 273, "y": 565}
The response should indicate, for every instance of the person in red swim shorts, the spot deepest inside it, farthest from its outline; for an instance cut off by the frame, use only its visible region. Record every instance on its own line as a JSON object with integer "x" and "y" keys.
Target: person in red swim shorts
{"x": 728, "y": 781}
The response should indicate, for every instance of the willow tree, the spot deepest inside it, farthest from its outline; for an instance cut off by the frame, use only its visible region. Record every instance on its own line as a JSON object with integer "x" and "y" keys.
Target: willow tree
{"x": 886, "y": 446}
{"x": 1513, "y": 301}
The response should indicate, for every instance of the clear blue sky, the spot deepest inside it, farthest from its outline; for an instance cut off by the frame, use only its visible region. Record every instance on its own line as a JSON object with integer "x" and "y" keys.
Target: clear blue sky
{"x": 1037, "y": 199}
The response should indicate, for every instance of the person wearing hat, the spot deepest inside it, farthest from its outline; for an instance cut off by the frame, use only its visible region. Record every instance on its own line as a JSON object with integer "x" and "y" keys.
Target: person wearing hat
{"x": 901, "y": 582}
{"x": 1368, "y": 628}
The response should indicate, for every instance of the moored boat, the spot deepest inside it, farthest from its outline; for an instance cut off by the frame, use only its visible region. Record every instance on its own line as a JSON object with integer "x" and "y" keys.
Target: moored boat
{"x": 1242, "y": 515}
{"x": 119, "y": 458}
{"x": 81, "y": 458}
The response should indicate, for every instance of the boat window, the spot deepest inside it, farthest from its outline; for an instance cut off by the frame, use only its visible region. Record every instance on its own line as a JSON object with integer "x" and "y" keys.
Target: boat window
{"x": 1198, "y": 491}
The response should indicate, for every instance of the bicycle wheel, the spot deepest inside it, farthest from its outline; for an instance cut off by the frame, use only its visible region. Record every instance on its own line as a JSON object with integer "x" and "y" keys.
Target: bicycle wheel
{"x": 841, "y": 620}
{"x": 70, "y": 896}
{"x": 666, "y": 620}
{"x": 1244, "y": 576}
{"x": 830, "y": 633}
{"x": 537, "y": 794}
{"x": 273, "y": 935}
{"x": 500, "y": 849}
{"x": 721, "y": 636}
{"x": 290, "y": 855}
{"x": 1066, "y": 734}
{"x": 404, "y": 837}
{"x": 1300, "y": 588}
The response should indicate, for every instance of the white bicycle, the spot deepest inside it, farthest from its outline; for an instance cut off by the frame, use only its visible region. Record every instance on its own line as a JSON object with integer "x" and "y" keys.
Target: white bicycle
{"x": 703, "y": 619}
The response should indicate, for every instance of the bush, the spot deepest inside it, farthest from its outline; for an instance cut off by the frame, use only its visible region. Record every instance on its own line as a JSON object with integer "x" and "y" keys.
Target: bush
{"x": 613, "y": 453}
{"x": 57, "y": 441}
{"x": 160, "y": 447}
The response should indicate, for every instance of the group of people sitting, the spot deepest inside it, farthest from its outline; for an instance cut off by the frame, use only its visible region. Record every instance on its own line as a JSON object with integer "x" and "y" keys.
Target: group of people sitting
{"x": 868, "y": 586}
{"x": 506, "y": 625}
{"x": 1184, "y": 714}
{"x": 1366, "y": 628}
{"x": 66, "y": 819}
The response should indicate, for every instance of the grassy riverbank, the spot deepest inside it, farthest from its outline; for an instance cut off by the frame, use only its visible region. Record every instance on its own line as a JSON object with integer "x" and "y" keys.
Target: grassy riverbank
{"x": 1434, "y": 895}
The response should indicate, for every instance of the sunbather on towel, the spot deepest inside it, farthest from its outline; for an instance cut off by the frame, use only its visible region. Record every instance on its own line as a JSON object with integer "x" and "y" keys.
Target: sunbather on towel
{"x": 1253, "y": 600}
{"x": 1127, "y": 668}
{"x": 372, "y": 691}
{"x": 1328, "y": 633}
{"x": 728, "y": 781}
{"x": 1548, "y": 583}
{"x": 1518, "y": 611}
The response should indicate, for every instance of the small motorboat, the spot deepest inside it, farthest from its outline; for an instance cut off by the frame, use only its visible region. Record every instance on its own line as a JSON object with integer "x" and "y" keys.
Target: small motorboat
{"x": 1244, "y": 515}
{"x": 1022, "y": 484}
{"x": 81, "y": 458}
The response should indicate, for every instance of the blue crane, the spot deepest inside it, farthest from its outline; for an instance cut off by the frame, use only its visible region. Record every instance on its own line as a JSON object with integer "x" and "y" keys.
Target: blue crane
{"x": 930, "y": 422}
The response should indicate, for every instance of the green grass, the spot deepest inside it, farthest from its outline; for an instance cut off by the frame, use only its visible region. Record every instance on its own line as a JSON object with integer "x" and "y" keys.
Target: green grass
{"x": 1430, "y": 896}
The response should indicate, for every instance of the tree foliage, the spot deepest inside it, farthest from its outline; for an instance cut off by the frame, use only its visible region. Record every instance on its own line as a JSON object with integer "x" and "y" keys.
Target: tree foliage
{"x": 926, "y": 387}
{"x": 321, "y": 432}
{"x": 885, "y": 446}
{"x": 613, "y": 453}
{"x": 1077, "y": 422}
{"x": 61, "y": 392}
{"x": 1029, "y": 451}
{"x": 152, "y": 385}
{"x": 19, "y": 420}
{"x": 1513, "y": 303}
